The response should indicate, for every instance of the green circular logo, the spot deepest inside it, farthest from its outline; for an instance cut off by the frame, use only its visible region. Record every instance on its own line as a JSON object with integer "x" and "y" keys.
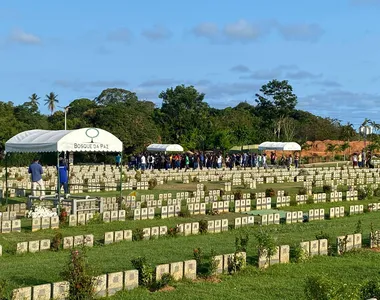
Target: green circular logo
{"x": 92, "y": 133}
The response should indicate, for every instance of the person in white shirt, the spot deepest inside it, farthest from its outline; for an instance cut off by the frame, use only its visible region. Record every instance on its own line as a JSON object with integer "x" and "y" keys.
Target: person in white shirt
{"x": 219, "y": 161}
{"x": 143, "y": 162}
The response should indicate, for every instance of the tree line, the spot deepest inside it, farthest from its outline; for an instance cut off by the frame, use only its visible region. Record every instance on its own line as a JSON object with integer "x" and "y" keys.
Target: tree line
{"x": 184, "y": 118}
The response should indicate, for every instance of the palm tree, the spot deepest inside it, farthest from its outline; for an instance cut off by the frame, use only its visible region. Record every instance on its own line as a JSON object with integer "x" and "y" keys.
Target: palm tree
{"x": 343, "y": 147}
{"x": 51, "y": 101}
{"x": 331, "y": 148}
{"x": 34, "y": 99}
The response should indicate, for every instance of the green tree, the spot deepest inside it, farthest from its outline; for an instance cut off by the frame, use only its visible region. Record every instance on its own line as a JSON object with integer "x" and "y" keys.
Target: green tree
{"x": 276, "y": 100}
{"x": 331, "y": 148}
{"x": 51, "y": 101}
{"x": 115, "y": 96}
{"x": 34, "y": 99}
{"x": 183, "y": 110}
{"x": 343, "y": 147}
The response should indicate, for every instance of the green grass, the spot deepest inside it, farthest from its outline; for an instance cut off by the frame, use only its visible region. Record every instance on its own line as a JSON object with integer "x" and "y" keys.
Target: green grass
{"x": 279, "y": 282}
{"x": 284, "y": 281}
{"x": 32, "y": 269}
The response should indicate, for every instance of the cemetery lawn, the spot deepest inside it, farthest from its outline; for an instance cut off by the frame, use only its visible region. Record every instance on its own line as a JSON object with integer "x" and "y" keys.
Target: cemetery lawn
{"x": 285, "y": 281}
{"x": 43, "y": 267}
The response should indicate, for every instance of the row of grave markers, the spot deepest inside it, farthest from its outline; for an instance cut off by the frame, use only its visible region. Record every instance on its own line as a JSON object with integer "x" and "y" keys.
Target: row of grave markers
{"x": 45, "y": 223}
{"x": 111, "y": 283}
{"x": 104, "y": 285}
{"x": 10, "y": 226}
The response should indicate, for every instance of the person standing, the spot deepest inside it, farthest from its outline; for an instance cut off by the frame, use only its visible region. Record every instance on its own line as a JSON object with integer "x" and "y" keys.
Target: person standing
{"x": 63, "y": 178}
{"x": 118, "y": 160}
{"x": 35, "y": 170}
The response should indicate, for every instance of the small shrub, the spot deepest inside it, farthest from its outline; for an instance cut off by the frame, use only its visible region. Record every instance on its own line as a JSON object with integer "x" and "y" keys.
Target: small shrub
{"x": 63, "y": 216}
{"x": 79, "y": 275}
{"x": 270, "y": 192}
{"x": 137, "y": 234}
{"x": 235, "y": 263}
{"x": 97, "y": 219}
{"x": 138, "y": 176}
{"x": 322, "y": 235}
{"x": 198, "y": 256}
{"x": 293, "y": 202}
{"x": 203, "y": 226}
{"x": 342, "y": 245}
{"x": 298, "y": 254}
{"x": 376, "y": 192}
{"x": 327, "y": 188}
{"x": 302, "y": 191}
{"x": 152, "y": 183}
{"x": 238, "y": 195}
{"x": 266, "y": 243}
{"x": 165, "y": 281}
{"x": 212, "y": 264}
{"x": 241, "y": 243}
{"x": 310, "y": 200}
{"x": 358, "y": 227}
{"x": 144, "y": 204}
{"x": 286, "y": 193}
{"x": 184, "y": 213}
{"x": 173, "y": 231}
{"x": 362, "y": 194}
{"x": 145, "y": 271}
{"x": 57, "y": 241}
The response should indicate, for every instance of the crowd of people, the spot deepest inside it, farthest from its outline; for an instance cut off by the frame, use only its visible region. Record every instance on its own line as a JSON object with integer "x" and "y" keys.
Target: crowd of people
{"x": 363, "y": 159}
{"x": 209, "y": 160}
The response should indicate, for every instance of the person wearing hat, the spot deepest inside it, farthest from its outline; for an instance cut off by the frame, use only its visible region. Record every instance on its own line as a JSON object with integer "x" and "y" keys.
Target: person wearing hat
{"x": 35, "y": 170}
{"x": 63, "y": 178}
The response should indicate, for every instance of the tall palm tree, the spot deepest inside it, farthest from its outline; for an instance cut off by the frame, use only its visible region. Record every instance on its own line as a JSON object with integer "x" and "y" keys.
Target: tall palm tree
{"x": 51, "y": 101}
{"x": 34, "y": 99}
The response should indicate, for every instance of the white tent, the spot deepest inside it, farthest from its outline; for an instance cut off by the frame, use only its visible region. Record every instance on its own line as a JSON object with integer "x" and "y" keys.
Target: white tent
{"x": 164, "y": 148}
{"x": 78, "y": 140}
{"x": 280, "y": 146}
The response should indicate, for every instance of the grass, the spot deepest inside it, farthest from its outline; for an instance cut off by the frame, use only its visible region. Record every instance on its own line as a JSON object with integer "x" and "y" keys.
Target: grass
{"x": 32, "y": 269}
{"x": 278, "y": 282}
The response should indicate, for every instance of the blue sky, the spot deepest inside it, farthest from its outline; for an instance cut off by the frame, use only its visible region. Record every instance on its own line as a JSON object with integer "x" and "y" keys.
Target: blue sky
{"x": 328, "y": 50}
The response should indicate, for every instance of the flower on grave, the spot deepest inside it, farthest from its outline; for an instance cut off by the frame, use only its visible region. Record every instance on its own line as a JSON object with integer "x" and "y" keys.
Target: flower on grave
{"x": 40, "y": 212}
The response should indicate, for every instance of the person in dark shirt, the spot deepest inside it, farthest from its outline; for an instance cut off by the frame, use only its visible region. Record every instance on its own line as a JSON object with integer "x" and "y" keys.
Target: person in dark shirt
{"x": 35, "y": 169}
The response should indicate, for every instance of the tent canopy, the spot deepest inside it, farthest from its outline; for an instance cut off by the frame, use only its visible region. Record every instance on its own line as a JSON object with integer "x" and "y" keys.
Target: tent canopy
{"x": 244, "y": 148}
{"x": 78, "y": 140}
{"x": 164, "y": 148}
{"x": 280, "y": 146}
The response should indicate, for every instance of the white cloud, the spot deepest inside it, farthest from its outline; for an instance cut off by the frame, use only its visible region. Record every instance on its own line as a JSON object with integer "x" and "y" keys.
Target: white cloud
{"x": 22, "y": 37}
{"x": 245, "y": 31}
{"x": 159, "y": 82}
{"x": 157, "y": 33}
{"x": 240, "y": 69}
{"x": 206, "y": 30}
{"x": 242, "y": 30}
{"x": 122, "y": 35}
{"x": 301, "y": 32}
{"x": 301, "y": 75}
{"x": 341, "y": 104}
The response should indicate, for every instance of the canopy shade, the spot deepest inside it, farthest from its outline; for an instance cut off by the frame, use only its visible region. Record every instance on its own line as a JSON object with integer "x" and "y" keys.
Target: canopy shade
{"x": 164, "y": 148}
{"x": 78, "y": 140}
{"x": 244, "y": 148}
{"x": 280, "y": 146}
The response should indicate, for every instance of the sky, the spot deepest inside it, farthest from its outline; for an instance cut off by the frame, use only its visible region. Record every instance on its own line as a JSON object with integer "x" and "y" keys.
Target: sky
{"x": 328, "y": 50}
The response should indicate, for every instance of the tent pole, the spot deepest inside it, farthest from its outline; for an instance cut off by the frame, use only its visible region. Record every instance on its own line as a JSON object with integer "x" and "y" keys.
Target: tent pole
{"x": 58, "y": 186}
{"x": 6, "y": 178}
{"x": 121, "y": 176}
